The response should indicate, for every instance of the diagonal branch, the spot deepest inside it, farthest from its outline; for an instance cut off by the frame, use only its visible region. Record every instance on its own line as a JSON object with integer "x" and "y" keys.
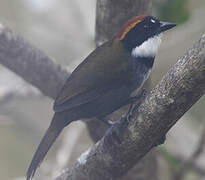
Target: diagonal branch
{"x": 125, "y": 144}
{"x": 30, "y": 63}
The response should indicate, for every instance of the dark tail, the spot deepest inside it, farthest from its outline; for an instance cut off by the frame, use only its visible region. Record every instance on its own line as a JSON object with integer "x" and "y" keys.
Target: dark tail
{"x": 47, "y": 141}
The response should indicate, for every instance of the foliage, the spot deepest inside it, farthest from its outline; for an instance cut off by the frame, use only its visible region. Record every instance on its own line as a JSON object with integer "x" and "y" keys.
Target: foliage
{"x": 174, "y": 11}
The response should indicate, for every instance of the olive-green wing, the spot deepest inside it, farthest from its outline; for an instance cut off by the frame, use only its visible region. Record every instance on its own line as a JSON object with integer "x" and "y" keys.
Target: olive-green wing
{"x": 95, "y": 76}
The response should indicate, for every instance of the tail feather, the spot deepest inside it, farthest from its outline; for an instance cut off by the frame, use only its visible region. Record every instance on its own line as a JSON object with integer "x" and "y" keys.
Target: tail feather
{"x": 47, "y": 141}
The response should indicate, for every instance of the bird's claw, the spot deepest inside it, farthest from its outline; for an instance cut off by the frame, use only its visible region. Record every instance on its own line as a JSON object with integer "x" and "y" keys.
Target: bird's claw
{"x": 139, "y": 98}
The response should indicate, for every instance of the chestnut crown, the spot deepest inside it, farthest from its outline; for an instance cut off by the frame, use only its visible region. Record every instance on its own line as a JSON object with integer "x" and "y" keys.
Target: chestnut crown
{"x": 139, "y": 29}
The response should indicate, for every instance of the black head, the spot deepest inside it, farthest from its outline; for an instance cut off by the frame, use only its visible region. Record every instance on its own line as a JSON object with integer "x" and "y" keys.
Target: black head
{"x": 139, "y": 29}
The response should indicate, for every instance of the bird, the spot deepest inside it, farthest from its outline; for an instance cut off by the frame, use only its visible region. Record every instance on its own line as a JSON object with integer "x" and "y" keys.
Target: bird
{"x": 106, "y": 79}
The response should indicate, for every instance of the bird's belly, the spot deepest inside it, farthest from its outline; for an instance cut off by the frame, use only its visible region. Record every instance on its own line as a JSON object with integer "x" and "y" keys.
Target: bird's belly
{"x": 139, "y": 82}
{"x": 113, "y": 100}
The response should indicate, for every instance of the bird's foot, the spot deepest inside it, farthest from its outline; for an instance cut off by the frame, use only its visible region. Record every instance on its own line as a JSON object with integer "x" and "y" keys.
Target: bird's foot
{"x": 116, "y": 129}
{"x": 135, "y": 102}
{"x": 161, "y": 140}
{"x": 130, "y": 112}
{"x": 107, "y": 121}
{"x": 138, "y": 98}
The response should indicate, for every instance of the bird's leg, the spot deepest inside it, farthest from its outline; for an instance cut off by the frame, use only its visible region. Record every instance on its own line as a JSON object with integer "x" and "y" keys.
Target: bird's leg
{"x": 161, "y": 140}
{"x": 106, "y": 121}
{"x": 124, "y": 120}
{"x": 139, "y": 98}
{"x": 132, "y": 101}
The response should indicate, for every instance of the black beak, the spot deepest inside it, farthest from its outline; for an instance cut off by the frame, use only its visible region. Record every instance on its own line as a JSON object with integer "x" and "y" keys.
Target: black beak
{"x": 164, "y": 26}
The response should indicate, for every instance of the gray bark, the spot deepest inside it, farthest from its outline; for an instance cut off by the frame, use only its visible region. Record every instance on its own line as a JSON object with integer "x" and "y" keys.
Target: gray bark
{"x": 126, "y": 143}
{"x": 30, "y": 63}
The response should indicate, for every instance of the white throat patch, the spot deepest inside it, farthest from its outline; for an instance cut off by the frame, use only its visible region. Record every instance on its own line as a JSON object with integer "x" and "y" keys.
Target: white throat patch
{"x": 147, "y": 48}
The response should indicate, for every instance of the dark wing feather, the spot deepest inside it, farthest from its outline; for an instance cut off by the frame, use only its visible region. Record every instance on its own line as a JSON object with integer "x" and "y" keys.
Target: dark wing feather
{"x": 94, "y": 77}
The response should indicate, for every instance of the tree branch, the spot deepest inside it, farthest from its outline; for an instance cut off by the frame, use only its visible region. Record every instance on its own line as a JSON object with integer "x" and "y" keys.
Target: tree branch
{"x": 125, "y": 144}
{"x": 30, "y": 63}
